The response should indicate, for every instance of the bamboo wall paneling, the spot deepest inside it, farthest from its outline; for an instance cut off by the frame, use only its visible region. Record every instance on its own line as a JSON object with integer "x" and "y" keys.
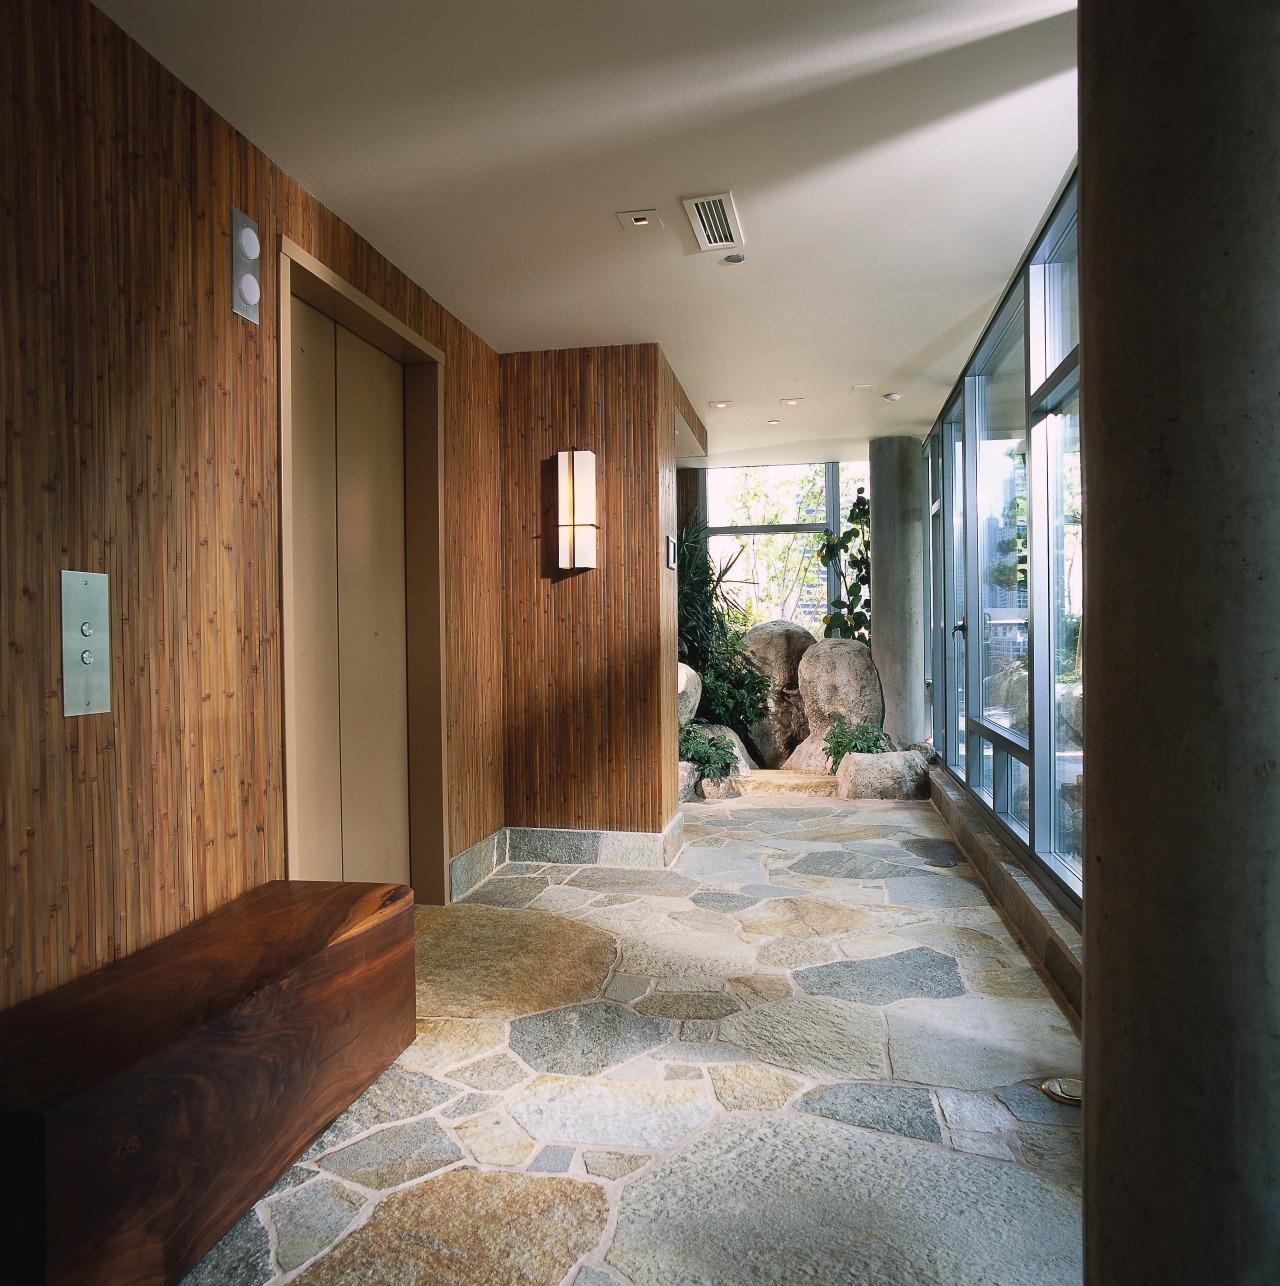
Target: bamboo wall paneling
{"x": 141, "y": 440}
{"x": 586, "y": 672}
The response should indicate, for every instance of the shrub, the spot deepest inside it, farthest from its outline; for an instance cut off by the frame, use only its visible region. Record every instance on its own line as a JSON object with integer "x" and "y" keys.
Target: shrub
{"x": 861, "y": 739}
{"x": 713, "y": 756}
{"x": 849, "y": 616}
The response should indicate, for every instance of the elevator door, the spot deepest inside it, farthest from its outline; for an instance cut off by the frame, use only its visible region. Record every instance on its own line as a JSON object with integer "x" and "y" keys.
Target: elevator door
{"x": 349, "y": 815}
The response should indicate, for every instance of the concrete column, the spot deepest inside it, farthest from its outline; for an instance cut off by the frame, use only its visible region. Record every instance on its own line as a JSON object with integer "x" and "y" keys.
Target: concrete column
{"x": 897, "y": 584}
{"x": 1180, "y": 253}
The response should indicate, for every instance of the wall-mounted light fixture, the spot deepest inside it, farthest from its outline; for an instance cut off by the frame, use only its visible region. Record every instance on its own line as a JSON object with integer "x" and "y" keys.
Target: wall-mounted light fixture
{"x": 576, "y": 477}
{"x": 246, "y": 263}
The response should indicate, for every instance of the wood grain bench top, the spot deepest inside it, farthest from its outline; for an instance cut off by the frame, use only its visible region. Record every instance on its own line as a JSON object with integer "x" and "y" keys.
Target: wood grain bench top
{"x": 58, "y": 1044}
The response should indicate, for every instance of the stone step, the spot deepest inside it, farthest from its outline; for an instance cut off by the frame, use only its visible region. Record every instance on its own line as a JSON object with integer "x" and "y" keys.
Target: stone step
{"x": 777, "y": 781}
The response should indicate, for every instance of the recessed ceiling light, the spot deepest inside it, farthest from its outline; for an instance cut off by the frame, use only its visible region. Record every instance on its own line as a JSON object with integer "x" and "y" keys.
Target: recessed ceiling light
{"x": 774, "y": 421}
{"x": 893, "y": 397}
{"x": 863, "y": 388}
{"x": 639, "y": 218}
{"x": 790, "y": 401}
{"x": 719, "y": 406}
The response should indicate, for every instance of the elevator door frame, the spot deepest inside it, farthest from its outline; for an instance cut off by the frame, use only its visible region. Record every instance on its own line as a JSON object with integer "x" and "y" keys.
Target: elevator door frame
{"x": 303, "y": 275}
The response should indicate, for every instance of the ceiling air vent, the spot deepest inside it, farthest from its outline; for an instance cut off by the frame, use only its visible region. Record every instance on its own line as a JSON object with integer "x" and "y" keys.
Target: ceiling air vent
{"x": 715, "y": 221}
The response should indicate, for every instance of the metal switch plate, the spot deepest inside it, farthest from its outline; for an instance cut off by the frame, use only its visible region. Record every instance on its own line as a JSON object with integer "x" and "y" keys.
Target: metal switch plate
{"x": 246, "y": 267}
{"x": 86, "y": 644}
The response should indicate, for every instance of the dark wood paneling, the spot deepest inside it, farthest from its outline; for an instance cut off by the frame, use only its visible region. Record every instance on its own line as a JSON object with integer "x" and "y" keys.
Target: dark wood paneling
{"x": 175, "y": 1086}
{"x": 686, "y": 495}
{"x": 141, "y": 439}
{"x": 692, "y": 418}
{"x": 591, "y": 720}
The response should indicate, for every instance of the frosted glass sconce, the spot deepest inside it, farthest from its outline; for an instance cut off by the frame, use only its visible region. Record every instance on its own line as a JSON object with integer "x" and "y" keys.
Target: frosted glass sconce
{"x": 576, "y": 491}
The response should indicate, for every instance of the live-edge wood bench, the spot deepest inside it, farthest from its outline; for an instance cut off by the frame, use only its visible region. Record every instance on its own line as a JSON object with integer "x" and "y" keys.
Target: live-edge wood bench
{"x": 147, "y": 1106}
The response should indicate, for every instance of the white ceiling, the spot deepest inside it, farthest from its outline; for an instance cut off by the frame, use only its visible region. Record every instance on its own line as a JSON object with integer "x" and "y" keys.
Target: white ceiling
{"x": 889, "y": 159}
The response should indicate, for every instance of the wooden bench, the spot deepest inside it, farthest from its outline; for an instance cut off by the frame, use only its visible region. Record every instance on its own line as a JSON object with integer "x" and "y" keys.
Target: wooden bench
{"x": 147, "y": 1106}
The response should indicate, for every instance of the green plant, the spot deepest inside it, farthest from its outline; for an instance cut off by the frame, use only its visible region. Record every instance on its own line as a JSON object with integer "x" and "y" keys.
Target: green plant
{"x": 712, "y": 755}
{"x": 861, "y": 739}
{"x": 711, "y": 622}
{"x": 850, "y": 555}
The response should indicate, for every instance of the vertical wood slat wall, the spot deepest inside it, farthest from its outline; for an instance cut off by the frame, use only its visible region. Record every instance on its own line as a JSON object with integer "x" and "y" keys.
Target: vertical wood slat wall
{"x": 141, "y": 439}
{"x": 590, "y": 663}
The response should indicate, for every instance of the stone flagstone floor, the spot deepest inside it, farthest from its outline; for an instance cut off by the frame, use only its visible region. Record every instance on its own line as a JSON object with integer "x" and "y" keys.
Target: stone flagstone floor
{"x": 809, "y": 1052}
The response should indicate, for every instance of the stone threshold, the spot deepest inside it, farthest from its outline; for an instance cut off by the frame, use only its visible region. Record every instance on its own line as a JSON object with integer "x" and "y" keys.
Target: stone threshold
{"x": 779, "y": 781}
{"x": 544, "y": 845}
{"x": 1051, "y": 941}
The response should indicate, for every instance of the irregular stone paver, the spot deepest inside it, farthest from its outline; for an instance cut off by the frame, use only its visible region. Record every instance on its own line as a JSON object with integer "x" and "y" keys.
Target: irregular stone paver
{"x": 394, "y": 1155}
{"x": 719, "y": 900}
{"x": 518, "y": 890}
{"x": 310, "y": 1218}
{"x": 700, "y": 1028}
{"x": 469, "y": 1105}
{"x": 479, "y": 1233}
{"x": 759, "y": 988}
{"x": 935, "y": 891}
{"x": 937, "y": 852}
{"x": 632, "y": 919}
{"x": 682, "y": 1072}
{"x": 1030, "y": 1103}
{"x": 483, "y": 962}
{"x": 795, "y": 953}
{"x": 613, "y": 1165}
{"x": 891, "y": 1109}
{"x": 885, "y": 979}
{"x": 395, "y": 1095}
{"x": 627, "y": 987}
{"x": 691, "y": 957}
{"x": 699, "y": 1051}
{"x": 816, "y": 1035}
{"x": 552, "y": 1160}
{"x": 688, "y": 1004}
{"x": 748, "y": 1087}
{"x": 794, "y": 1199}
{"x": 594, "y": 1277}
{"x": 581, "y": 1040}
{"x": 442, "y": 1043}
{"x": 978, "y": 1042}
{"x": 982, "y": 1145}
{"x": 1023, "y": 982}
{"x": 241, "y": 1258}
{"x": 495, "y": 1139}
{"x": 870, "y": 946}
{"x": 291, "y": 1178}
{"x": 846, "y": 865}
{"x": 497, "y": 1072}
{"x": 1051, "y": 1148}
{"x": 611, "y": 899}
{"x": 809, "y": 917}
{"x": 965, "y": 1111}
{"x": 728, "y": 868}
{"x": 610, "y": 1113}
{"x": 957, "y": 940}
{"x": 563, "y": 898}
{"x": 646, "y": 883}
{"x": 766, "y": 891}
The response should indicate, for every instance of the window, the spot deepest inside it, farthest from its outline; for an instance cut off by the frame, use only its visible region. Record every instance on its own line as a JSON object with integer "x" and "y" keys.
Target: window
{"x": 768, "y": 518}
{"x": 1007, "y": 619}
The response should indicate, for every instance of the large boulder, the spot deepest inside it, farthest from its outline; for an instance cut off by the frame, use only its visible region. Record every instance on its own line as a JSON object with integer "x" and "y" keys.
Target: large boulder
{"x": 688, "y": 781}
{"x": 837, "y": 680}
{"x": 688, "y": 692}
{"x": 777, "y": 647}
{"x": 745, "y": 762}
{"x": 897, "y": 774}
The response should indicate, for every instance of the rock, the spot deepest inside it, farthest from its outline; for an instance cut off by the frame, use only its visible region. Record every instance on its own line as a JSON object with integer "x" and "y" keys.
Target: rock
{"x": 745, "y": 762}
{"x": 837, "y": 679}
{"x": 927, "y": 749}
{"x": 495, "y": 1139}
{"x": 395, "y": 1095}
{"x": 445, "y": 1042}
{"x": 241, "y": 1258}
{"x": 582, "y": 1040}
{"x": 814, "y": 1035}
{"x": 688, "y": 781}
{"x": 389, "y": 1157}
{"x": 309, "y": 1218}
{"x": 482, "y": 962}
{"x": 497, "y": 1072}
{"x": 613, "y": 1165}
{"x": 688, "y": 692}
{"x": 554, "y": 1159}
{"x": 777, "y": 648}
{"x": 891, "y": 1109}
{"x": 688, "y": 1004}
{"x": 726, "y": 788}
{"x": 749, "y": 1087}
{"x": 478, "y": 1233}
{"x": 792, "y": 1199}
{"x": 897, "y": 774}
{"x": 883, "y": 980}
{"x": 623, "y": 1114}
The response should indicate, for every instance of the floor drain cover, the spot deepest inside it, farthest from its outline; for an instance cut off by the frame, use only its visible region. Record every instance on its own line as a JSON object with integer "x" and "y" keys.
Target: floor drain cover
{"x": 1064, "y": 1089}
{"x": 939, "y": 861}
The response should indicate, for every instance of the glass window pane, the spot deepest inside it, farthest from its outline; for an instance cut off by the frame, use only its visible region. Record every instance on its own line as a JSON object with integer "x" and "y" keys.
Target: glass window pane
{"x": 1002, "y": 529}
{"x": 1066, "y": 617}
{"x": 955, "y": 641}
{"x": 773, "y": 493}
{"x": 986, "y": 769}
{"x": 852, "y": 476}
{"x": 775, "y": 577}
{"x": 1061, "y": 276}
{"x": 1020, "y": 796}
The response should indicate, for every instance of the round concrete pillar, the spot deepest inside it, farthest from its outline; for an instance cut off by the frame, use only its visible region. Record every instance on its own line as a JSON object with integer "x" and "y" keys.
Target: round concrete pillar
{"x": 1180, "y": 254}
{"x": 897, "y": 585}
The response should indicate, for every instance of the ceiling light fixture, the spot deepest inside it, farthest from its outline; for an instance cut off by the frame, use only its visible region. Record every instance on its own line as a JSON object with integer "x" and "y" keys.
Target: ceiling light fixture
{"x": 637, "y": 219}
{"x": 736, "y": 258}
{"x": 893, "y": 397}
{"x": 790, "y": 401}
{"x": 863, "y": 388}
{"x": 719, "y": 406}
{"x": 774, "y": 421}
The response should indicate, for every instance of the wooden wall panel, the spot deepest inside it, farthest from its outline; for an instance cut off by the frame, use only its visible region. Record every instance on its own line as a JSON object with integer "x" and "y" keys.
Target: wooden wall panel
{"x": 141, "y": 439}
{"x": 686, "y": 495}
{"x": 590, "y": 672}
